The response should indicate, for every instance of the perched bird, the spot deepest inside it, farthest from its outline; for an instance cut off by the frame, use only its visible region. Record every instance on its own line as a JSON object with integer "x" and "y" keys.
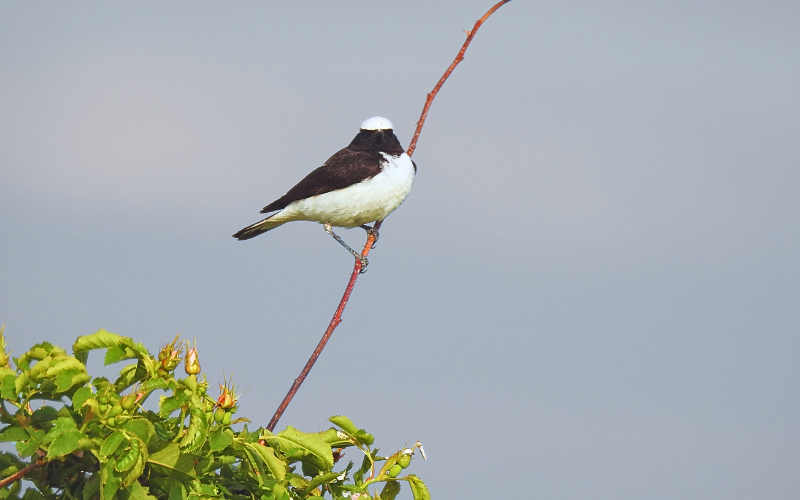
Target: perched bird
{"x": 362, "y": 183}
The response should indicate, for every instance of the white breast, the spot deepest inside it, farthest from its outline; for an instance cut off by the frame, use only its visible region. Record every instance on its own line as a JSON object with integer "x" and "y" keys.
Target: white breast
{"x": 368, "y": 201}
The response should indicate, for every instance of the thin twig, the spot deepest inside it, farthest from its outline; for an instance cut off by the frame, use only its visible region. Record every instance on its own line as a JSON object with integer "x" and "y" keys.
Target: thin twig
{"x": 21, "y": 473}
{"x": 458, "y": 59}
{"x": 337, "y": 316}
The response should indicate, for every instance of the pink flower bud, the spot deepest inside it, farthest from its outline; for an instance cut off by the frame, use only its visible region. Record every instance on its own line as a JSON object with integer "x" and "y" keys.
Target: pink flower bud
{"x": 192, "y": 365}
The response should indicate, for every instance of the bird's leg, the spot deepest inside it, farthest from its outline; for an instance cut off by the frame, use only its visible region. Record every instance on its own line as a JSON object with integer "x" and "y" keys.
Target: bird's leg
{"x": 361, "y": 258}
{"x": 371, "y": 230}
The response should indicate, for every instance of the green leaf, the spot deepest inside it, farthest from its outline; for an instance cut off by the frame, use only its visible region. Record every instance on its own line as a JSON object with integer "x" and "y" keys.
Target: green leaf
{"x": 133, "y": 475}
{"x": 153, "y": 384}
{"x": 364, "y": 437}
{"x": 275, "y": 465}
{"x": 256, "y": 465}
{"x": 64, "y": 363}
{"x": 70, "y": 378}
{"x": 92, "y": 486}
{"x": 220, "y": 439}
{"x": 109, "y": 483}
{"x": 8, "y": 388}
{"x": 64, "y": 444}
{"x": 135, "y": 492}
{"x": 344, "y": 423}
{"x": 22, "y": 382}
{"x": 111, "y": 443}
{"x": 80, "y": 397}
{"x": 116, "y": 353}
{"x": 291, "y": 439}
{"x": 27, "y": 448}
{"x": 168, "y": 404}
{"x": 142, "y": 427}
{"x": 127, "y": 376}
{"x": 179, "y": 465}
{"x": 336, "y": 438}
{"x": 390, "y": 490}
{"x": 13, "y": 434}
{"x": 101, "y": 339}
{"x": 321, "y": 479}
{"x": 418, "y": 488}
{"x": 196, "y": 431}
{"x": 44, "y": 415}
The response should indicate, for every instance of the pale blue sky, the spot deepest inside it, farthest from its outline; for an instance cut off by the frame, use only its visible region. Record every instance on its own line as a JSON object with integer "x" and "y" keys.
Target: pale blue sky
{"x": 592, "y": 291}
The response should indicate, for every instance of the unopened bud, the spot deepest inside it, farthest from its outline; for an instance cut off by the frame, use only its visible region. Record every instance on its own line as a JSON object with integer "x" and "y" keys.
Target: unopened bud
{"x": 192, "y": 365}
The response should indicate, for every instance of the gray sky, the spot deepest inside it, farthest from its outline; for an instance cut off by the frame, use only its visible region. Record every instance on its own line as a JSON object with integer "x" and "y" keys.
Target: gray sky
{"x": 591, "y": 292}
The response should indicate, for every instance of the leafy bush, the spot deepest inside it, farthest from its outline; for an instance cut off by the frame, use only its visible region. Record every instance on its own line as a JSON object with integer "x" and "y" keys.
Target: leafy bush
{"x": 92, "y": 439}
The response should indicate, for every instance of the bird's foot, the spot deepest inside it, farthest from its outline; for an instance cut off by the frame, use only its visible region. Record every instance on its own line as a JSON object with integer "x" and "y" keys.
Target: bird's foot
{"x": 358, "y": 256}
{"x": 371, "y": 231}
{"x": 364, "y": 263}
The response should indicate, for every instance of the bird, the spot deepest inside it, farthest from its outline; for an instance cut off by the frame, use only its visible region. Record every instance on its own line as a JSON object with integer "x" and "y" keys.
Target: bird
{"x": 362, "y": 183}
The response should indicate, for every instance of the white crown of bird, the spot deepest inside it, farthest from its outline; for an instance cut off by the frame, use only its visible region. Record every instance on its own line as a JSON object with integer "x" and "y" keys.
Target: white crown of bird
{"x": 377, "y": 123}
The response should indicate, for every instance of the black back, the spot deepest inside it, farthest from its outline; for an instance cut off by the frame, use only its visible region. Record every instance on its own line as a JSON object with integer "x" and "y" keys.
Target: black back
{"x": 357, "y": 162}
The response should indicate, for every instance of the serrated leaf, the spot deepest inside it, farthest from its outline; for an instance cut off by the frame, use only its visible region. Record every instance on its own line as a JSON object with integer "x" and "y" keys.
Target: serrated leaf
{"x": 153, "y": 384}
{"x": 196, "y": 431}
{"x": 307, "y": 443}
{"x": 70, "y": 378}
{"x": 336, "y": 438}
{"x": 138, "y": 468}
{"x": 142, "y": 427}
{"x": 27, "y": 448}
{"x": 21, "y": 383}
{"x": 256, "y": 465}
{"x": 168, "y": 404}
{"x": 101, "y": 339}
{"x": 109, "y": 483}
{"x": 344, "y": 423}
{"x": 364, "y": 437}
{"x": 13, "y": 434}
{"x": 114, "y": 354}
{"x": 418, "y": 488}
{"x": 64, "y": 444}
{"x": 275, "y": 466}
{"x": 80, "y": 397}
{"x": 318, "y": 480}
{"x": 135, "y": 491}
{"x": 64, "y": 363}
{"x": 127, "y": 376}
{"x": 180, "y": 465}
{"x": 111, "y": 443}
{"x": 8, "y": 389}
{"x": 92, "y": 486}
{"x": 60, "y": 426}
{"x": 220, "y": 439}
{"x": 390, "y": 490}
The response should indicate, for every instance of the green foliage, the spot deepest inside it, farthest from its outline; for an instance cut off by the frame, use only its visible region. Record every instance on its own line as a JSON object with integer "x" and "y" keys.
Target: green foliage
{"x": 93, "y": 440}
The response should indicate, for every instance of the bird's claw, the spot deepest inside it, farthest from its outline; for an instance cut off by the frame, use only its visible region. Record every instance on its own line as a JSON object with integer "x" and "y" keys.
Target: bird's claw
{"x": 364, "y": 263}
{"x": 373, "y": 232}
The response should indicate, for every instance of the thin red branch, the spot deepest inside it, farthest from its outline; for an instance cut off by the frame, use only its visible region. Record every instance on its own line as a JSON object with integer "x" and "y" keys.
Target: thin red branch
{"x": 19, "y": 474}
{"x": 337, "y": 316}
{"x": 458, "y": 59}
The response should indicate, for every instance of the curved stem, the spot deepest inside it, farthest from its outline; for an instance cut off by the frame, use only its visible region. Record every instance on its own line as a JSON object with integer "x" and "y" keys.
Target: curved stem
{"x": 460, "y": 57}
{"x": 337, "y": 316}
{"x": 21, "y": 473}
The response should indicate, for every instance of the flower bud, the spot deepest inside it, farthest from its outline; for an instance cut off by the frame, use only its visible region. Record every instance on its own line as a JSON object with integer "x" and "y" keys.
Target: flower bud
{"x": 227, "y": 398}
{"x": 191, "y": 365}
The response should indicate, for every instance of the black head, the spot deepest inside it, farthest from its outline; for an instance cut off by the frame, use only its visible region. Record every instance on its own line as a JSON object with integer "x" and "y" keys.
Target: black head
{"x": 376, "y": 134}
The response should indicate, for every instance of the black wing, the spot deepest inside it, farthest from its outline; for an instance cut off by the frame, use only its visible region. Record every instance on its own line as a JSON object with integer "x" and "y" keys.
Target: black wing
{"x": 345, "y": 168}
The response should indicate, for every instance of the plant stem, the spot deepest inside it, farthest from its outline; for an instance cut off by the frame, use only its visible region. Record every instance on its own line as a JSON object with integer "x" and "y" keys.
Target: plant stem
{"x": 21, "y": 473}
{"x": 337, "y": 317}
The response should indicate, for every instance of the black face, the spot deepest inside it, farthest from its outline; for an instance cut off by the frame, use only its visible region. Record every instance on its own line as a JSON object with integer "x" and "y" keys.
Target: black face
{"x": 376, "y": 140}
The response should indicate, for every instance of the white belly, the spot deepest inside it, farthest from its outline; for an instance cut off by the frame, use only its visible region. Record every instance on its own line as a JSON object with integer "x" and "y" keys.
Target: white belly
{"x": 370, "y": 200}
